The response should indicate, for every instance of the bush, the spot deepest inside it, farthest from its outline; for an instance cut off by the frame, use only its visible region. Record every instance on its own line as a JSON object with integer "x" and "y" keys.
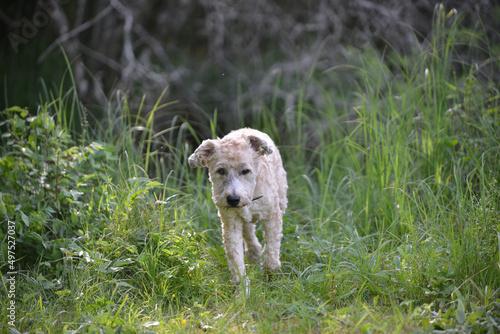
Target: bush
{"x": 46, "y": 180}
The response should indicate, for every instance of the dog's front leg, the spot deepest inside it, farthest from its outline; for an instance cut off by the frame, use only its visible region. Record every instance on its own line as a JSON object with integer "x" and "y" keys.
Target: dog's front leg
{"x": 232, "y": 232}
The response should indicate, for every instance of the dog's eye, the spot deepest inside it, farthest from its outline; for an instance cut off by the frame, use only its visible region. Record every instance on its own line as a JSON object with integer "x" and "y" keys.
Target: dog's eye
{"x": 221, "y": 171}
{"x": 245, "y": 171}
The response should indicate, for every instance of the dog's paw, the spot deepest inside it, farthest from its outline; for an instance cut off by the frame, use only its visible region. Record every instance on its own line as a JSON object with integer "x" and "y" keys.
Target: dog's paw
{"x": 271, "y": 264}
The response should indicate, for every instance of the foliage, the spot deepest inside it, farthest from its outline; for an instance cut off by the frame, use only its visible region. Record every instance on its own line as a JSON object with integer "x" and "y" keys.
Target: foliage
{"x": 46, "y": 180}
{"x": 393, "y": 223}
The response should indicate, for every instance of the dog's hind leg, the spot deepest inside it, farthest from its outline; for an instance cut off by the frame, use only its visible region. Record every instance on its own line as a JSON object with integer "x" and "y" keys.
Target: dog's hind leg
{"x": 273, "y": 232}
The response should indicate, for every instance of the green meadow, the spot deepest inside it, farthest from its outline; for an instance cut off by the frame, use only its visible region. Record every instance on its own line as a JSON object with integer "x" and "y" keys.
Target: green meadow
{"x": 393, "y": 222}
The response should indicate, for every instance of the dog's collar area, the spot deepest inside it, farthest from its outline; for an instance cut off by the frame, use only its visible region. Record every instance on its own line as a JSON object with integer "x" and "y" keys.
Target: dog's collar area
{"x": 256, "y": 198}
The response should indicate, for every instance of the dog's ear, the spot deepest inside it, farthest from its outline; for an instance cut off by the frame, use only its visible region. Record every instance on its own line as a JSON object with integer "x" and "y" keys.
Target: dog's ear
{"x": 201, "y": 155}
{"x": 260, "y": 145}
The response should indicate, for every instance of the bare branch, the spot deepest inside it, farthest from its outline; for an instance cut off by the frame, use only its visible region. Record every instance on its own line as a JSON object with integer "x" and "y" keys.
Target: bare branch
{"x": 74, "y": 32}
{"x": 111, "y": 63}
{"x": 128, "y": 50}
{"x": 8, "y": 21}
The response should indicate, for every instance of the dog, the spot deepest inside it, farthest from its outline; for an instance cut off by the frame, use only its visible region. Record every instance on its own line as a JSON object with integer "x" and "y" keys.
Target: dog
{"x": 248, "y": 185}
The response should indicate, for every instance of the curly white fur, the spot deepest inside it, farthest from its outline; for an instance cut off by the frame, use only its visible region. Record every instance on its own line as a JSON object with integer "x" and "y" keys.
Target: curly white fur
{"x": 248, "y": 185}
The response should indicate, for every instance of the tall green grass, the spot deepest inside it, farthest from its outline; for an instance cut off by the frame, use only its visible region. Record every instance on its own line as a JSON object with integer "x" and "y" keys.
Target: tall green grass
{"x": 392, "y": 226}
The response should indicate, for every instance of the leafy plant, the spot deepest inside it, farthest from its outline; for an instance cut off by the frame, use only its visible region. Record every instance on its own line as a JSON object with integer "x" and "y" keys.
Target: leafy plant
{"x": 393, "y": 222}
{"x": 45, "y": 179}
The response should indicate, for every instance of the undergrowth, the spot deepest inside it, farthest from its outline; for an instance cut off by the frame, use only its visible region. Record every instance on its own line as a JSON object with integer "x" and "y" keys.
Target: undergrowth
{"x": 392, "y": 226}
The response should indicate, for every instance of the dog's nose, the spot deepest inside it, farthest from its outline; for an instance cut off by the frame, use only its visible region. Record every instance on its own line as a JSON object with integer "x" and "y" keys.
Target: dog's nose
{"x": 233, "y": 200}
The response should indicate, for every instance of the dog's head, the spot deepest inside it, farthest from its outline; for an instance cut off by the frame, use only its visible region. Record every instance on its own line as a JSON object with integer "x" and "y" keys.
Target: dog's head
{"x": 233, "y": 165}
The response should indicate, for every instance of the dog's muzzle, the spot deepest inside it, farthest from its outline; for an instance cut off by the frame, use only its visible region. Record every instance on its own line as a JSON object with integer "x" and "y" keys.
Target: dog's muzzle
{"x": 234, "y": 200}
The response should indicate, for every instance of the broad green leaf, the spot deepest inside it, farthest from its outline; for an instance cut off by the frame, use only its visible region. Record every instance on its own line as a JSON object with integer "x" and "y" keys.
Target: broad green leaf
{"x": 25, "y": 219}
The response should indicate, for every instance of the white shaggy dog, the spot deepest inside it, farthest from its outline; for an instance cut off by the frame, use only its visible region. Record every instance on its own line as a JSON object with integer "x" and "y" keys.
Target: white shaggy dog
{"x": 248, "y": 185}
